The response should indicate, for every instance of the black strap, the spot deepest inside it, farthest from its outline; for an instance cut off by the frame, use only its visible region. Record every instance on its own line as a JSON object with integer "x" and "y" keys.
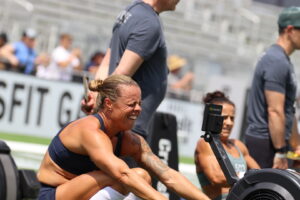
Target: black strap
{"x": 101, "y": 122}
{"x": 119, "y": 144}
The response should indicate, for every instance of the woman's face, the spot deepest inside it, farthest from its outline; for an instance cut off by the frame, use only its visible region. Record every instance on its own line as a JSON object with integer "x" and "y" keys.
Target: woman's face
{"x": 127, "y": 107}
{"x": 228, "y": 112}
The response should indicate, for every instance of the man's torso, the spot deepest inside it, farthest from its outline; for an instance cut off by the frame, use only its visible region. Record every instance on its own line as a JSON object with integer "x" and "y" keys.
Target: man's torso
{"x": 274, "y": 72}
{"x": 138, "y": 29}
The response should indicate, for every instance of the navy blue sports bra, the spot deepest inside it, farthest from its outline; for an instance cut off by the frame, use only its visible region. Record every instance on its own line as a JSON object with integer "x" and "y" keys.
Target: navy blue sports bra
{"x": 73, "y": 162}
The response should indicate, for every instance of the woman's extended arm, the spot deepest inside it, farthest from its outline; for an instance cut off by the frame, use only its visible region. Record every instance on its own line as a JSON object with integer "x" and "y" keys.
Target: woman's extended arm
{"x": 170, "y": 177}
{"x": 100, "y": 150}
{"x": 208, "y": 163}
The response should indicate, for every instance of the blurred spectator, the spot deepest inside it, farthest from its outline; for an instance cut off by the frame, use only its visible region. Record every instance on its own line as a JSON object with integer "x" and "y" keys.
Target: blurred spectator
{"x": 94, "y": 62}
{"x": 42, "y": 68}
{"x": 3, "y": 39}
{"x": 209, "y": 172}
{"x": 20, "y": 56}
{"x": 63, "y": 62}
{"x": 178, "y": 80}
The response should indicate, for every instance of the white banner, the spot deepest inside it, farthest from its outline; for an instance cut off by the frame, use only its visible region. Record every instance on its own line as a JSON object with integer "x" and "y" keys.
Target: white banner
{"x": 33, "y": 106}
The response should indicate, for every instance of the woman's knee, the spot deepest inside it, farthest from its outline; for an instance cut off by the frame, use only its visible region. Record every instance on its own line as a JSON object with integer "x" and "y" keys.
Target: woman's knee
{"x": 144, "y": 174}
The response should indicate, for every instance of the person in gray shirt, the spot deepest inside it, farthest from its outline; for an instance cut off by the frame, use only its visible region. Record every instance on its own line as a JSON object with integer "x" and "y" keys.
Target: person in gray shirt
{"x": 137, "y": 49}
{"x": 272, "y": 96}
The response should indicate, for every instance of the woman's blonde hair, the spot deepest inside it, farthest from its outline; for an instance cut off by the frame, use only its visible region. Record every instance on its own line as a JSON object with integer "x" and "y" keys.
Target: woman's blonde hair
{"x": 110, "y": 88}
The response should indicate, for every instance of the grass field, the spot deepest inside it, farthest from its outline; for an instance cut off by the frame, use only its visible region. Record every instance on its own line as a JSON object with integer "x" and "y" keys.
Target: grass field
{"x": 25, "y": 138}
{"x": 46, "y": 141}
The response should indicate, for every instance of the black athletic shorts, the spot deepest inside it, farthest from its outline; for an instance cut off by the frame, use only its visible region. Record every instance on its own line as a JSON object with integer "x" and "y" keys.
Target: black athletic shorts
{"x": 261, "y": 150}
{"x": 47, "y": 192}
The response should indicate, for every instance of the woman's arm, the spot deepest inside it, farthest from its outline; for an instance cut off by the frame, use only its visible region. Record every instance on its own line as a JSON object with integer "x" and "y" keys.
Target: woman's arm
{"x": 251, "y": 163}
{"x": 8, "y": 52}
{"x": 171, "y": 178}
{"x": 209, "y": 164}
{"x": 100, "y": 150}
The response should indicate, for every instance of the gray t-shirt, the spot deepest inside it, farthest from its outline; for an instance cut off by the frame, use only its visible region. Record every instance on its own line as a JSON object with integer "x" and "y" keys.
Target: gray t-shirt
{"x": 274, "y": 72}
{"x": 138, "y": 29}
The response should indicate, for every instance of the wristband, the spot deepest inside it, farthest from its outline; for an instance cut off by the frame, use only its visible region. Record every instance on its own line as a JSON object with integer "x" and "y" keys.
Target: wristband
{"x": 281, "y": 150}
{"x": 280, "y": 155}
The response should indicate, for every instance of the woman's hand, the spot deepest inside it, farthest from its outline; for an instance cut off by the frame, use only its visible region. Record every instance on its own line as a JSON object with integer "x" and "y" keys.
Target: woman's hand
{"x": 89, "y": 106}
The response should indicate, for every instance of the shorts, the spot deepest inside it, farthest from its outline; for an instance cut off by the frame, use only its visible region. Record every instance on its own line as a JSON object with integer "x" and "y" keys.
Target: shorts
{"x": 261, "y": 150}
{"x": 47, "y": 192}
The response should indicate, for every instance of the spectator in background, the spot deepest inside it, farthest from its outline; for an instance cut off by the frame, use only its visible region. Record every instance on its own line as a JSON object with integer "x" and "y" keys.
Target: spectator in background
{"x": 20, "y": 56}
{"x": 94, "y": 62}
{"x": 3, "y": 39}
{"x": 176, "y": 79}
{"x": 42, "y": 68}
{"x": 64, "y": 62}
{"x": 209, "y": 172}
{"x": 272, "y": 96}
{"x": 138, "y": 49}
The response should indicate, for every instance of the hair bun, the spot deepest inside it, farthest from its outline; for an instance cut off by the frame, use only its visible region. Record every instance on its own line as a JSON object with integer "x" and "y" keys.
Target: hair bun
{"x": 95, "y": 85}
{"x": 213, "y": 95}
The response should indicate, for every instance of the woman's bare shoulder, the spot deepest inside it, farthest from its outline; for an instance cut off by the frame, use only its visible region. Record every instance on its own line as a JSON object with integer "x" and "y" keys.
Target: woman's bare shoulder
{"x": 88, "y": 122}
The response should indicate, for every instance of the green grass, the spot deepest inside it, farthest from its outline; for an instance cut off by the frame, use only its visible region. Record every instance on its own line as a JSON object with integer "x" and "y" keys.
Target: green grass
{"x": 25, "y": 138}
{"x": 186, "y": 160}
